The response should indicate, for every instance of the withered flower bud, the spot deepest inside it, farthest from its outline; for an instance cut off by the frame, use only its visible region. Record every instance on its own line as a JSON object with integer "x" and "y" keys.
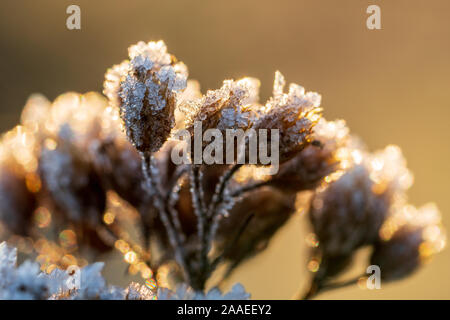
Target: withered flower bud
{"x": 349, "y": 212}
{"x": 409, "y": 238}
{"x": 145, "y": 89}
{"x": 72, "y": 182}
{"x": 319, "y": 159}
{"x": 294, "y": 114}
{"x": 116, "y": 161}
{"x": 230, "y": 107}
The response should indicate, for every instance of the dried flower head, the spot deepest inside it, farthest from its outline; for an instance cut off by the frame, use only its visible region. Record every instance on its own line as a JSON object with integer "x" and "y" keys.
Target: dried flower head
{"x": 144, "y": 88}
{"x": 230, "y": 107}
{"x": 75, "y": 117}
{"x": 116, "y": 161}
{"x": 347, "y": 214}
{"x": 332, "y": 150}
{"x": 72, "y": 182}
{"x": 294, "y": 114}
{"x": 409, "y": 238}
{"x": 350, "y": 211}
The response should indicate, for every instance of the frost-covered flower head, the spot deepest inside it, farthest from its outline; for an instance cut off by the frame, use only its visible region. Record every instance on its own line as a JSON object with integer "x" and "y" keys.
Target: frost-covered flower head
{"x": 349, "y": 211}
{"x": 230, "y": 107}
{"x": 409, "y": 238}
{"x": 347, "y": 214}
{"x": 144, "y": 89}
{"x": 333, "y": 149}
{"x": 76, "y": 118}
{"x": 294, "y": 113}
{"x": 70, "y": 179}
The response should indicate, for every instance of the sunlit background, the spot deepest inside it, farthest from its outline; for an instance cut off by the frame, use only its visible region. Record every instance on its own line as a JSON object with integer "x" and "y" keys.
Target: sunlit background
{"x": 390, "y": 85}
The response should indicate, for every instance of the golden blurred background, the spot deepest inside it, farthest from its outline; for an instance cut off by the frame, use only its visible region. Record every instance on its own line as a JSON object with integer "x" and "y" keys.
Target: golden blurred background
{"x": 390, "y": 85}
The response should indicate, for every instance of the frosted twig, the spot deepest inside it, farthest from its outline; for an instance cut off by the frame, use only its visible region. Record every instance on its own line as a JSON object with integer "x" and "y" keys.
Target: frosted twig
{"x": 320, "y": 287}
{"x": 201, "y": 214}
{"x": 151, "y": 175}
{"x": 218, "y": 200}
{"x": 251, "y": 187}
{"x": 171, "y": 199}
{"x": 231, "y": 245}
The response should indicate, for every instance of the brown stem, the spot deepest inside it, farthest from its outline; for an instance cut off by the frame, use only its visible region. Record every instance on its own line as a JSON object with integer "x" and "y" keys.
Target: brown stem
{"x": 173, "y": 236}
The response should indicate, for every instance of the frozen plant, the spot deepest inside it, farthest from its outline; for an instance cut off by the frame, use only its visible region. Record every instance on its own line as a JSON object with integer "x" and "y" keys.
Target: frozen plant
{"x": 87, "y": 174}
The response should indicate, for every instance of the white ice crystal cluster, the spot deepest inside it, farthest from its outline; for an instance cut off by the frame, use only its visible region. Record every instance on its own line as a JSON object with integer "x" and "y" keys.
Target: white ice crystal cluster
{"x": 27, "y": 282}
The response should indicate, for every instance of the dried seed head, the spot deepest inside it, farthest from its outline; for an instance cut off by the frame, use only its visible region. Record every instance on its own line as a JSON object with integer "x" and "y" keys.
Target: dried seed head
{"x": 348, "y": 214}
{"x": 77, "y": 118}
{"x": 230, "y": 107}
{"x": 191, "y": 94}
{"x": 72, "y": 183}
{"x": 409, "y": 238}
{"x": 294, "y": 113}
{"x": 144, "y": 89}
{"x": 116, "y": 161}
{"x": 319, "y": 159}
{"x": 350, "y": 211}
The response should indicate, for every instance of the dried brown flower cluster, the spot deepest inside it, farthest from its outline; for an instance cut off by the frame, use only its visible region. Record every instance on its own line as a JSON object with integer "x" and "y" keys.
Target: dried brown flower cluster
{"x": 89, "y": 173}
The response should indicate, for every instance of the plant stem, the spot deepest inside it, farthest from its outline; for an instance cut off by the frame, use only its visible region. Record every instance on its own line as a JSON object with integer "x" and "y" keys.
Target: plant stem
{"x": 239, "y": 192}
{"x": 151, "y": 177}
